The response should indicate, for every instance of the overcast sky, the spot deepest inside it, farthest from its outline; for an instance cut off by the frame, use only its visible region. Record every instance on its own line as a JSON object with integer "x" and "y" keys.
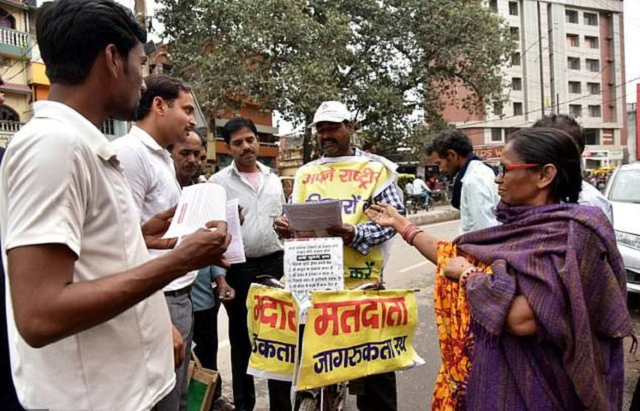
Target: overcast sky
{"x": 632, "y": 46}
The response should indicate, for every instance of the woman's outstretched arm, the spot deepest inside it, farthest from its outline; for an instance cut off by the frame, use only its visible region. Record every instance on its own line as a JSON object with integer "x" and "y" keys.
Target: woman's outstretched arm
{"x": 387, "y": 216}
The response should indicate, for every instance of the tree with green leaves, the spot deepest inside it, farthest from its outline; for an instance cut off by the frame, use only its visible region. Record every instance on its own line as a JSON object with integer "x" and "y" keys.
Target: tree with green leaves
{"x": 396, "y": 63}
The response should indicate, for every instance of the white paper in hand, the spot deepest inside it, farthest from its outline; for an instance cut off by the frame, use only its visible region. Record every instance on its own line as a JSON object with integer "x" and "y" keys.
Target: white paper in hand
{"x": 235, "y": 251}
{"x": 199, "y": 204}
{"x": 312, "y": 219}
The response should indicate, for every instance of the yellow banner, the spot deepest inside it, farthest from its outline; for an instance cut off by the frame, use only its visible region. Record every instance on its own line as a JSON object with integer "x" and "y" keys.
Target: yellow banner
{"x": 354, "y": 182}
{"x": 352, "y": 334}
{"x": 273, "y": 324}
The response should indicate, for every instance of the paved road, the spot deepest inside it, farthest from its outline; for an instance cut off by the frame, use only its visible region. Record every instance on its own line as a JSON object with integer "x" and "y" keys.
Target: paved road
{"x": 408, "y": 269}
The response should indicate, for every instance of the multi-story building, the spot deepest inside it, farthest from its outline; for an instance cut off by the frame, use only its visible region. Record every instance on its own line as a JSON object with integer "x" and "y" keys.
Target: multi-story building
{"x": 569, "y": 59}
{"x": 16, "y": 44}
{"x": 290, "y": 156}
{"x": 633, "y": 112}
{"x": 633, "y": 132}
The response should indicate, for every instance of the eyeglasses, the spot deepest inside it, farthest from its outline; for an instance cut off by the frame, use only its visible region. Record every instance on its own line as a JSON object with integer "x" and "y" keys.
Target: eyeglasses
{"x": 502, "y": 168}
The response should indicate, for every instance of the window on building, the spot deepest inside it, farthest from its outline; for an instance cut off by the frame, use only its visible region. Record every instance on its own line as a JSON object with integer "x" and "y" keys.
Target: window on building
{"x": 513, "y": 8}
{"x": 593, "y": 65}
{"x": 571, "y": 16}
{"x": 498, "y": 109}
{"x": 573, "y": 40}
{"x": 509, "y": 131}
{"x": 575, "y": 110}
{"x": 166, "y": 68}
{"x": 496, "y": 135}
{"x": 109, "y": 127}
{"x": 591, "y": 136}
{"x": 493, "y": 5}
{"x": 595, "y": 111}
{"x": 573, "y": 63}
{"x": 516, "y": 84}
{"x": 594, "y": 88}
{"x": 592, "y": 42}
{"x": 516, "y": 59}
{"x": 575, "y": 87}
{"x": 591, "y": 19}
{"x": 515, "y": 33}
{"x": 8, "y": 114}
{"x": 517, "y": 109}
{"x": 7, "y": 20}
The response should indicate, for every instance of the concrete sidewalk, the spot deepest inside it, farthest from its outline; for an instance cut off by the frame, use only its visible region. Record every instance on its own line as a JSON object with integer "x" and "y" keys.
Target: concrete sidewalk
{"x": 439, "y": 214}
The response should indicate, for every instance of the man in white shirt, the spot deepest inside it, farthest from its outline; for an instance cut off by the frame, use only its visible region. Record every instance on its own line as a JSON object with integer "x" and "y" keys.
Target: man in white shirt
{"x": 88, "y": 329}
{"x": 164, "y": 117}
{"x": 589, "y": 195}
{"x": 420, "y": 189}
{"x": 475, "y": 192}
{"x": 261, "y": 197}
{"x": 408, "y": 188}
{"x": 187, "y": 158}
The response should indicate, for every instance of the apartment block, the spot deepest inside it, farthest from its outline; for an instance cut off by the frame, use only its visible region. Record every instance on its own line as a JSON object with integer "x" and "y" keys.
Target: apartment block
{"x": 16, "y": 43}
{"x": 569, "y": 59}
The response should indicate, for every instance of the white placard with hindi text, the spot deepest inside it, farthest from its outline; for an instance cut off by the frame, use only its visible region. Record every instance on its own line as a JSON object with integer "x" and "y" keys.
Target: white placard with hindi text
{"x": 314, "y": 264}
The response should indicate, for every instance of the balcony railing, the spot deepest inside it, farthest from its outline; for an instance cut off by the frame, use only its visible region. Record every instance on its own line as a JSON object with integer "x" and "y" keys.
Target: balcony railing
{"x": 14, "y": 37}
{"x": 7, "y": 130}
{"x": 14, "y": 42}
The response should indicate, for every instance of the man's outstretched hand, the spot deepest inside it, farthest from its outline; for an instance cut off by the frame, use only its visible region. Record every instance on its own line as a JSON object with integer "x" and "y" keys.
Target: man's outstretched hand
{"x": 154, "y": 229}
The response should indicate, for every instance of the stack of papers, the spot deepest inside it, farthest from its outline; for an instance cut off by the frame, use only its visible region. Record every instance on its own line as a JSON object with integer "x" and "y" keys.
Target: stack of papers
{"x": 202, "y": 203}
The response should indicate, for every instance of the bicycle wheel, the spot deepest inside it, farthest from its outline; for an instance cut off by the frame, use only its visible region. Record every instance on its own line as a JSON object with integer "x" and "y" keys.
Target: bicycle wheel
{"x": 307, "y": 403}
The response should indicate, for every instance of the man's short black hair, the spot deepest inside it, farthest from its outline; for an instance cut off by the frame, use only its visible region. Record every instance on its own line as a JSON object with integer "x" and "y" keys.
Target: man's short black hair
{"x": 565, "y": 123}
{"x": 202, "y": 133}
{"x": 160, "y": 85}
{"x": 72, "y": 33}
{"x": 451, "y": 139}
{"x": 236, "y": 124}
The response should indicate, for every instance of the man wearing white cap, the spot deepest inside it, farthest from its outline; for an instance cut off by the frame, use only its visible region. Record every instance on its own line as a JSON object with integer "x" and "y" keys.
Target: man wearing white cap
{"x": 357, "y": 178}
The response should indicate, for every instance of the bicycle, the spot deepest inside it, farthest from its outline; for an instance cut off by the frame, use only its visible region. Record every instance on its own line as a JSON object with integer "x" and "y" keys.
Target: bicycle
{"x": 331, "y": 397}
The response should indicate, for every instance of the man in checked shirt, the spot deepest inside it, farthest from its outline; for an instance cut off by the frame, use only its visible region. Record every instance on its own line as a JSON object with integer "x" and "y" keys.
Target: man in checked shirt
{"x": 355, "y": 178}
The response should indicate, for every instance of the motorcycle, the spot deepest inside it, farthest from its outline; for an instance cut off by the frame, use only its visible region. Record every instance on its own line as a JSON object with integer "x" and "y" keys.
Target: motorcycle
{"x": 413, "y": 203}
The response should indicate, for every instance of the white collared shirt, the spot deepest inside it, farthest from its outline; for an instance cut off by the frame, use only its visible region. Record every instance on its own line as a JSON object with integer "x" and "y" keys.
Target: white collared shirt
{"x": 152, "y": 177}
{"x": 479, "y": 198}
{"x": 260, "y": 208}
{"x": 60, "y": 183}
{"x": 593, "y": 197}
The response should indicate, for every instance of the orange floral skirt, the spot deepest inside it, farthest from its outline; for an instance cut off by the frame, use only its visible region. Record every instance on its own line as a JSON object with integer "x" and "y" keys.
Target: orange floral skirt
{"x": 456, "y": 341}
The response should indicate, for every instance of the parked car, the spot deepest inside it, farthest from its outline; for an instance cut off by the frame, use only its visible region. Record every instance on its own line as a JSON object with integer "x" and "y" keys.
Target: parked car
{"x": 623, "y": 191}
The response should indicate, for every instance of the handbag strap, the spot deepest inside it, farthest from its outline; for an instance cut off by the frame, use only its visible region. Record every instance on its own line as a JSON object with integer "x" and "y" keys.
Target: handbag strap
{"x": 195, "y": 359}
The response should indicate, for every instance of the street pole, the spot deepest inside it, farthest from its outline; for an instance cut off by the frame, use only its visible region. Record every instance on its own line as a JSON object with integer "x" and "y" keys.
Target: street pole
{"x": 141, "y": 12}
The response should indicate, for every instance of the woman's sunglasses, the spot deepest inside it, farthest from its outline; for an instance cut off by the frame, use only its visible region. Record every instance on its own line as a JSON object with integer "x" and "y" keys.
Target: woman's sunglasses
{"x": 502, "y": 168}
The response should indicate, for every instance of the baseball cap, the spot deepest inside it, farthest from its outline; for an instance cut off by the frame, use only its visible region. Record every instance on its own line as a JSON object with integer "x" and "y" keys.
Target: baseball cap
{"x": 331, "y": 111}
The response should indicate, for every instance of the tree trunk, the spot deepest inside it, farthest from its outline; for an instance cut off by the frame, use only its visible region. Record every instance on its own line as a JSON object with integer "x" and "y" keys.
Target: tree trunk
{"x": 308, "y": 144}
